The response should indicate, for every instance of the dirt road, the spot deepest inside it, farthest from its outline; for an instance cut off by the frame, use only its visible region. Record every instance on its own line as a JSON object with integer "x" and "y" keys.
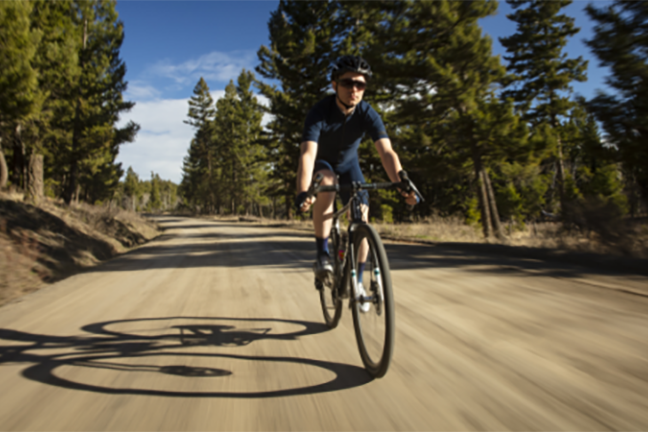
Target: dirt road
{"x": 217, "y": 326}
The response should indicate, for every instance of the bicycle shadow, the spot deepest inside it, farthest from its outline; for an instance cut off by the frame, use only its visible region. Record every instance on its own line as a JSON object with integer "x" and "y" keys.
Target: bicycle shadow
{"x": 107, "y": 349}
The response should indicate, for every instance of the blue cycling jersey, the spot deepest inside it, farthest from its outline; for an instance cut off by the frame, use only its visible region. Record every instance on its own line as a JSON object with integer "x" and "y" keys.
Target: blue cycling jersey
{"x": 338, "y": 136}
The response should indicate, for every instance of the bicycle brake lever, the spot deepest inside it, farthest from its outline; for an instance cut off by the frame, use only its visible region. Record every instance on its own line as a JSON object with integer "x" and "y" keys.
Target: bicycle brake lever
{"x": 316, "y": 182}
{"x": 409, "y": 187}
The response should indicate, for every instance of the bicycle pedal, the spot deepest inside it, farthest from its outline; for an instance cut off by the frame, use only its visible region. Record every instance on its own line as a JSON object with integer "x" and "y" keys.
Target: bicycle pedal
{"x": 319, "y": 285}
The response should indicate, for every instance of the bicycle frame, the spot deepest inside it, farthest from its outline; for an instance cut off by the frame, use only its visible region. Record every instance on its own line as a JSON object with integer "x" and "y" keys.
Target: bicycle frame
{"x": 372, "y": 303}
{"x": 356, "y": 220}
{"x": 348, "y": 264}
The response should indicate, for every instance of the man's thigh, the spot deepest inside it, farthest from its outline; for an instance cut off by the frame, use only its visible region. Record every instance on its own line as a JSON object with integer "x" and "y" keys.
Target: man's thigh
{"x": 354, "y": 175}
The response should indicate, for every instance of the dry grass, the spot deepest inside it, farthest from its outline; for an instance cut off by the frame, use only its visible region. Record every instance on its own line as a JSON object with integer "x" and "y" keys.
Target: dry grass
{"x": 629, "y": 239}
{"x": 123, "y": 228}
{"x": 434, "y": 229}
{"x": 619, "y": 238}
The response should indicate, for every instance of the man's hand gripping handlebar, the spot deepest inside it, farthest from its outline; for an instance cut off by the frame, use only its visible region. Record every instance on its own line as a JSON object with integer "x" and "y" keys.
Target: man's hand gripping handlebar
{"x": 304, "y": 200}
{"x": 408, "y": 190}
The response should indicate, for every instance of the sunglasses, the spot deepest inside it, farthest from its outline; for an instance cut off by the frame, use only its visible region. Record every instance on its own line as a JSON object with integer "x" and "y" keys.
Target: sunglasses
{"x": 349, "y": 83}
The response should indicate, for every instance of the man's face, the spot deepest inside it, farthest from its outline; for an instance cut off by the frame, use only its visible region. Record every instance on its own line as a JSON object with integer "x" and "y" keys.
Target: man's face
{"x": 347, "y": 87}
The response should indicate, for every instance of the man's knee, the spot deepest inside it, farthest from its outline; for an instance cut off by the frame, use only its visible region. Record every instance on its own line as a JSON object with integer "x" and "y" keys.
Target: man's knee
{"x": 329, "y": 177}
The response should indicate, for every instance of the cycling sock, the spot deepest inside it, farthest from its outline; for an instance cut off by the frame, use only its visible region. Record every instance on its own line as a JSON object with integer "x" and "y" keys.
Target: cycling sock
{"x": 361, "y": 267}
{"x": 322, "y": 246}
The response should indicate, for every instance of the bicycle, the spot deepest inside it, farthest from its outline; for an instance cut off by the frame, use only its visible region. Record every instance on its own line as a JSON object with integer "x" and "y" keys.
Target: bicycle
{"x": 371, "y": 301}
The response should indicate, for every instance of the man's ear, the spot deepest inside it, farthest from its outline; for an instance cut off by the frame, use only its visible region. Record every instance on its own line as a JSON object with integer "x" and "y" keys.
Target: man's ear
{"x": 334, "y": 85}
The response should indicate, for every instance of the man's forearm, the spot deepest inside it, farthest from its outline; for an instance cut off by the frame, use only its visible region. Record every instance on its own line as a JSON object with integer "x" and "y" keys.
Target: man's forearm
{"x": 305, "y": 170}
{"x": 392, "y": 165}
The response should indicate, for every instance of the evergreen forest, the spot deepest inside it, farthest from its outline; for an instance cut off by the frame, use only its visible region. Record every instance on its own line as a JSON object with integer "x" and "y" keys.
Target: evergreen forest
{"x": 491, "y": 139}
{"x": 61, "y": 97}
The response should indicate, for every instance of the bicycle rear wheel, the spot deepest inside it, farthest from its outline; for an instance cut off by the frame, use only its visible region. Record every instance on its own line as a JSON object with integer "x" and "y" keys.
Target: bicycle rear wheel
{"x": 331, "y": 303}
{"x": 373, "y": 305}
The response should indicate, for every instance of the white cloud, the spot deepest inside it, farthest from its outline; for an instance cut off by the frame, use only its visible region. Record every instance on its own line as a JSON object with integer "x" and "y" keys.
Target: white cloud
{"x": 138, "y": 90}
{"x": 162, "y": 141}
{"x": 215, "y": 66}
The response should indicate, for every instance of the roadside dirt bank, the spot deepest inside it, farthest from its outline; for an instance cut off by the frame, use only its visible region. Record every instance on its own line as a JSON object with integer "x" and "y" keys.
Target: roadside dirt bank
{"x": 42, "y": 244}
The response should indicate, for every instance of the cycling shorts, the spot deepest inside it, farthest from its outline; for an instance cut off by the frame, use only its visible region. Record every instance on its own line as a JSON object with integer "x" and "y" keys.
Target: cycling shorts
{"x": 350, "y": 175}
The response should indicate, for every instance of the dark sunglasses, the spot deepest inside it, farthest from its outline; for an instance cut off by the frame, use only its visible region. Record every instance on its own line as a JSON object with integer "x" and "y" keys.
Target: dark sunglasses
{"x": 348, "y": 83}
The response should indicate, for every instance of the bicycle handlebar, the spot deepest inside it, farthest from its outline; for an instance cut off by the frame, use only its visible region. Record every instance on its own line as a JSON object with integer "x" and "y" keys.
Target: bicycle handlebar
{"x": 405, "y": 185}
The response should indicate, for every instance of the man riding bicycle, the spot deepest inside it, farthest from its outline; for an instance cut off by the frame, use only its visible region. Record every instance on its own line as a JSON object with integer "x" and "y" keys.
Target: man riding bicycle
{"x": 333, "y": 131}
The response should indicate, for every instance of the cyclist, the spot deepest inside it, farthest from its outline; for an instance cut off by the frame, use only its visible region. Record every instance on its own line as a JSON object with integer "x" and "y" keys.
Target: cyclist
{"x": 332, "y": 134}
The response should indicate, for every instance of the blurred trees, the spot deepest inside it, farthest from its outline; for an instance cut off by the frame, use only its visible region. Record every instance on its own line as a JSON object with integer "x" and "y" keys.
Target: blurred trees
{"x": 302, "y": 46}
{"x": 493, "y": 142}
{"x": 620, "y": 42}
{"x": 540, "y": 76}
{"x": 20, "y": 98}
{"x": 61, "y": 86}
{"x": 226, "y": 166}
{"x": 154, "y": 195}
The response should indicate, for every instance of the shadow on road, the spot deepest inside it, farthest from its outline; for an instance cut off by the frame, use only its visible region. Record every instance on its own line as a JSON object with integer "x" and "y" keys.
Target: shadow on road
{"x": 222, "y": 246}
{"x": 104, "y": 348}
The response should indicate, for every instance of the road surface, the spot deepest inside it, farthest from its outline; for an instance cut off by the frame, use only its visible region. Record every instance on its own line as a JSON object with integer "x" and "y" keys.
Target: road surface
{"x": 217, "y": 326}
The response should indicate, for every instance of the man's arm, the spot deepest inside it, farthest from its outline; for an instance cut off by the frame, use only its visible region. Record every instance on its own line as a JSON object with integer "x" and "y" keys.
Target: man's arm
{"x": 306, "y": 164}
{"x": 392, "y": 165}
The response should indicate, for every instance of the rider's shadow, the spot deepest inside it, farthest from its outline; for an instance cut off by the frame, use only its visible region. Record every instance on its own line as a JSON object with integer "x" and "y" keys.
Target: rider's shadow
{"x": 220, "y": 335}
{"x": 102, "y": 347}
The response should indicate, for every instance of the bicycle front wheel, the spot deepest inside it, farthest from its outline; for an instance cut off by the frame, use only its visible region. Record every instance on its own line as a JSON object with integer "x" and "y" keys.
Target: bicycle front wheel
{"x": 373, "y": 302}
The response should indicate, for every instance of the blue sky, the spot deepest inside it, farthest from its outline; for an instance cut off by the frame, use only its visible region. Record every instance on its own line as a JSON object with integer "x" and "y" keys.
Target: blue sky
{"x": 169, "y": 45}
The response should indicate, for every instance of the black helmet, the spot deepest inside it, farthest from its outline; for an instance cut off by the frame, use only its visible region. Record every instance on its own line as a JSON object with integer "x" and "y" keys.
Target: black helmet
{"x": 349, "y": 63}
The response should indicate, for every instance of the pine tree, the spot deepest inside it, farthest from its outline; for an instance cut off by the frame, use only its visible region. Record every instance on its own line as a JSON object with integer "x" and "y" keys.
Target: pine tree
{"x": 132, "y": 188}
{"x": 56, "y": 62}
{"x": 236, "y": 129}
{"x": 301, "y": 50}
{"x": 442, "y": 77}
{"x": 620, "y": 42}
{"x": 192, "y": 176}
{"x": 98, "y": 103}
{"x": 540, "y": 72}
{"x": 19, "y": 95}
{"x": 155, "y": 199}
{"x": 198, "y": 180}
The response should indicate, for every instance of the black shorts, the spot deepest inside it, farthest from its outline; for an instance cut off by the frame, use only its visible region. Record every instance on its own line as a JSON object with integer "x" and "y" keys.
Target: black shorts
{"x": 353, "y": 174}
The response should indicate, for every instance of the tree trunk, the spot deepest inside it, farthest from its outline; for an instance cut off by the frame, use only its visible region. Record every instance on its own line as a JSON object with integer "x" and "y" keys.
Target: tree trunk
{"x": 19, "y": 165}
{"x": 497, "y": 225}
{"x": 289, "y": 207}
{"x": 483, "y": 198}
{"x": 561, "y": 176}
{"x": 4, "y": 173}
{"x": 35, "y": 179}
{"x": 561, "y": 165}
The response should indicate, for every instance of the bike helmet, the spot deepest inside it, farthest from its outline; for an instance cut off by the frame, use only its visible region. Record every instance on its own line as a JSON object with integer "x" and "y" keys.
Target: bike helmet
{"x": 349, "y": 63}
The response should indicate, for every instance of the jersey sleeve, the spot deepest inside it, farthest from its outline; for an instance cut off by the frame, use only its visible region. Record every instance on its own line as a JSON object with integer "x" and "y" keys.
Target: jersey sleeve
{"x": 313, "y": 126}
{"x": 374, "y": 125}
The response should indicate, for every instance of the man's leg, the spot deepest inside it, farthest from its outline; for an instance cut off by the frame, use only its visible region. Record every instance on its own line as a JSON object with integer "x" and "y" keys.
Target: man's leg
{"x": 323, "y": 207}
{"x": 322, "y": 220}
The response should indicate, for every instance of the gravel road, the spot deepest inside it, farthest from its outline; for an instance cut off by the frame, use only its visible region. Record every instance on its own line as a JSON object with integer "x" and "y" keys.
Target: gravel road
{"x": 217, "y": 326}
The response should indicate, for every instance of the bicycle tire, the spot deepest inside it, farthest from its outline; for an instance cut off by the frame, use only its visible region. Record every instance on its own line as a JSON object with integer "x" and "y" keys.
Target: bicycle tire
{"x": 375, "y": 349}
{"x": 331, "y": 303}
